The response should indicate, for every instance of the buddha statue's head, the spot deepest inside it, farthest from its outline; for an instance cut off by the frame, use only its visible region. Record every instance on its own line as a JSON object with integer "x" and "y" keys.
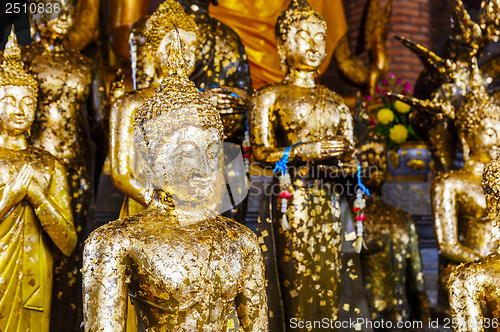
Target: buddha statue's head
{"x": 178, "y": 136}
{"x": 51, "y": 19}
{"x": 371, "y": 151}
{"x": 160, "y": 32}
{"x": 301, "y": 37}
{"x": 491, "y": 187}
{"x": 18, "y": 91}
{"x": 478, "y": 121}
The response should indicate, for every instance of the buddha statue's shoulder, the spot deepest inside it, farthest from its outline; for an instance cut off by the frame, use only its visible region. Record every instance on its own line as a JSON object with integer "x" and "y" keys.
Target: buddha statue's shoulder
{"x": 132, "y": 100}
{"x": 272, "y": 90}
{"x": 333, "y": 96}
{"x": 113, "y": 235}
{"x": 239, "y": 233}
{"x": 453, "y": 180}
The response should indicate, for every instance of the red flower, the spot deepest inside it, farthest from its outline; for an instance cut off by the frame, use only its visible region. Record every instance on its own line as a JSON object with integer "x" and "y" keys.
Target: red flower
{"x": 356, "y": 210}
{"x": 361, "y": 217}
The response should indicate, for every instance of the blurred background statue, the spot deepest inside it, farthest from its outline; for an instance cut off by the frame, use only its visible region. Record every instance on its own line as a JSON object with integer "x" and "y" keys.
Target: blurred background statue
{"x": 474, "y": 286}
{"x": 392, "y": 267}
{"x": 34, "y": 205}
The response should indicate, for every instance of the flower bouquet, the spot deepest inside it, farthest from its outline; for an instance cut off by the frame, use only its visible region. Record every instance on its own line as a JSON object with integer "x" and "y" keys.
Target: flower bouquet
{"x": 391, "y": 116}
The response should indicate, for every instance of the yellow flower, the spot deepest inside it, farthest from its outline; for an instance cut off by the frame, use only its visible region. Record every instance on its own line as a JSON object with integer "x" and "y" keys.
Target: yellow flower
{"x": 385, "y": 116}
{"x": 401, "y": 107}
{"x": 398, "y": 134}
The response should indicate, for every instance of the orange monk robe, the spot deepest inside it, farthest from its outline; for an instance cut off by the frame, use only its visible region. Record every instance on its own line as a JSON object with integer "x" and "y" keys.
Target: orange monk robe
{"x": 254, "y": 21}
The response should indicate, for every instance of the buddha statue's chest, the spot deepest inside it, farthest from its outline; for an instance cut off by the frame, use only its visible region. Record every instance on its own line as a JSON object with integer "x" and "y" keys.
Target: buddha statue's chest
{"x": 184, "y": 270}
{"x": 11, "y": 162}
{"x": 308, "y": 114}
{"x": 62, "y": 78}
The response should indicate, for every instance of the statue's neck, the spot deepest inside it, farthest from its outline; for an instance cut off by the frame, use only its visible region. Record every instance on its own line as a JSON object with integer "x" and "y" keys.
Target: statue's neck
{"x": 13, "y": 142}
{"x": 304, "y": 79}
{"x": 50, "y": 44}
{"x": 195, "y": 7}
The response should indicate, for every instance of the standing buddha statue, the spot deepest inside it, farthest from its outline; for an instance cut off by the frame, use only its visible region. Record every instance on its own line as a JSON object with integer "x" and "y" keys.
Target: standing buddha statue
{"x": 34, "y": 205}
{"x": 313, "y": 126}
{"x": 473, "y": 286}
{"x": 182, "y": 263}
{"x": 391, "y": 263}
{"x": 70, "y": 124}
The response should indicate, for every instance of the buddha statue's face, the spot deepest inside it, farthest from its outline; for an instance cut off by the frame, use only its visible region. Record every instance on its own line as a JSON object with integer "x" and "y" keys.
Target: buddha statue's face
{"x": 55, "y": 22}
{"x": 189, "y": 43}
{"x": 485, "y": 138}
{"x": 304, "y": 47}
{"x": 17, "y": 109}
{"x": 373, "y": 160}
{"x": 189, "y": 163}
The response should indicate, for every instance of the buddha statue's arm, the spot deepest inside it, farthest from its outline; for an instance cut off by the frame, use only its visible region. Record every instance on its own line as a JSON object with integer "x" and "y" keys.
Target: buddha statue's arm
{"x": 251, "y": 302}
{"x": 416, "y": 276}
{"x": 263, "y": 121}
{"x": 122, "y": 154}
{"x": 104, "y": 282}
{"x": 444, "y": 192}
{"x": 53, "y": 208}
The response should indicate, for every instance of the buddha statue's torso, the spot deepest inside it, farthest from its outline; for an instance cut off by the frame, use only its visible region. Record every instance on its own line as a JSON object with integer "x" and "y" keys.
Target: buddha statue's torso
{"x": 183, "y": 278}
{"x": 64, "y": 81}
{"x": 306, "y": 114}
{"x": 474, "y": 226}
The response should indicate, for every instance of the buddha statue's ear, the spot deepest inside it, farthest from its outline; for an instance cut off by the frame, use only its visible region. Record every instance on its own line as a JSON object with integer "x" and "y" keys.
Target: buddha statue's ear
{"x": 282, "y": 55}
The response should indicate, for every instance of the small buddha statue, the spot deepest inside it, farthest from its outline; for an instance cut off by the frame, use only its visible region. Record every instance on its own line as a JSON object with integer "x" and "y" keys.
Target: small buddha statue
{"x": 391, "y": 263}
{"x": 182, "y": 263}
{"x": 35, "y": 207}
{"x": 473, "y": 286}
{"x": 314, "y": 126}
{"x": 160, "y": 32}
{"x": 70, "y": 123}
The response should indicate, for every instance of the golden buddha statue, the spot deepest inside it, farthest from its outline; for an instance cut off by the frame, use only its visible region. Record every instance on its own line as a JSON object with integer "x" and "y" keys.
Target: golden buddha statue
{"x": 182, "y": 263}
{"x": 312, "y": 126}
{"x": 221, "y": 69}
{"x": 391, "y": 263}
{"x": 160, "y": 33}
{"x": 473, "y": 286}
{"x": 462, "y": 228}
{"x": 34, "y": 205}
{"x": 70, "y": 124}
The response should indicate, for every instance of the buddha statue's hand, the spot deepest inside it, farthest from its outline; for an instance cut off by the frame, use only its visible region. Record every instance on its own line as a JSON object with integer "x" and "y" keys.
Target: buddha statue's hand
{"x": 322, "y": 150}
{"x": 228, "y": 100}
{"x": 36, "y": 194}
{"x": 16, "y": 188}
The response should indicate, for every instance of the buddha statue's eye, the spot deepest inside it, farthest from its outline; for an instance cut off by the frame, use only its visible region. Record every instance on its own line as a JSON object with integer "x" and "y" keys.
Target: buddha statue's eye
{"x": 8, "y": 100}
{"x": 491, "y": 132}
{"x": 27, "y": 102}
{"x": 319, "y": 37}
{"x": 303, "y": 34}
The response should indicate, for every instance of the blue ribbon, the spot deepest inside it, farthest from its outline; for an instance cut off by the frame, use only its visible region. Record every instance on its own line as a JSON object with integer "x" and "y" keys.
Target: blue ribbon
{"x": 213, "y": 86}
{"x": 360, "y": 185}
{"x": 283, "y": 162}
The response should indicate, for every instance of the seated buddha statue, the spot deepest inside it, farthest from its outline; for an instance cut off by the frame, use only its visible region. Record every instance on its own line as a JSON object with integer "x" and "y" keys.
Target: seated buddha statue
{"x": 159, "y": 31}
{"x": 35, "y": 205}
{"x": 473, "y": 287}
{"x": 183, "y": 264}
{"x": 392, "y": 267}
{"x": 314, "y": 126}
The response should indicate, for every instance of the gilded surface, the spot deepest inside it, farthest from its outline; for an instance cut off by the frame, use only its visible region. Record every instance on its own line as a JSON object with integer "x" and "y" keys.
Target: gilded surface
{"x": 34, "y": 205}
{"x": 70, "y": 124}
{"x": 122, "y": 150}
{"x": 473, "y": 286}
{"x": 296, "y": 110}
{"x": 392, "y": 267}
{"x": 376, "y": 30}
{"x": 183, "y": 265}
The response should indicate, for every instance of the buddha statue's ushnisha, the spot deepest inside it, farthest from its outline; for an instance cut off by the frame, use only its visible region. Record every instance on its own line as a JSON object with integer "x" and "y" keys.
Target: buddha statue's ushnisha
{"x": 70, "y": 124}
{"x": 474, "y": 286}
{"x": 316, "y": 125}
{"x": 160, "y": 32}
{"x": 183, "y": 264}
{"x": 392, "y": 267}
{"x": 35, "y": 210}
